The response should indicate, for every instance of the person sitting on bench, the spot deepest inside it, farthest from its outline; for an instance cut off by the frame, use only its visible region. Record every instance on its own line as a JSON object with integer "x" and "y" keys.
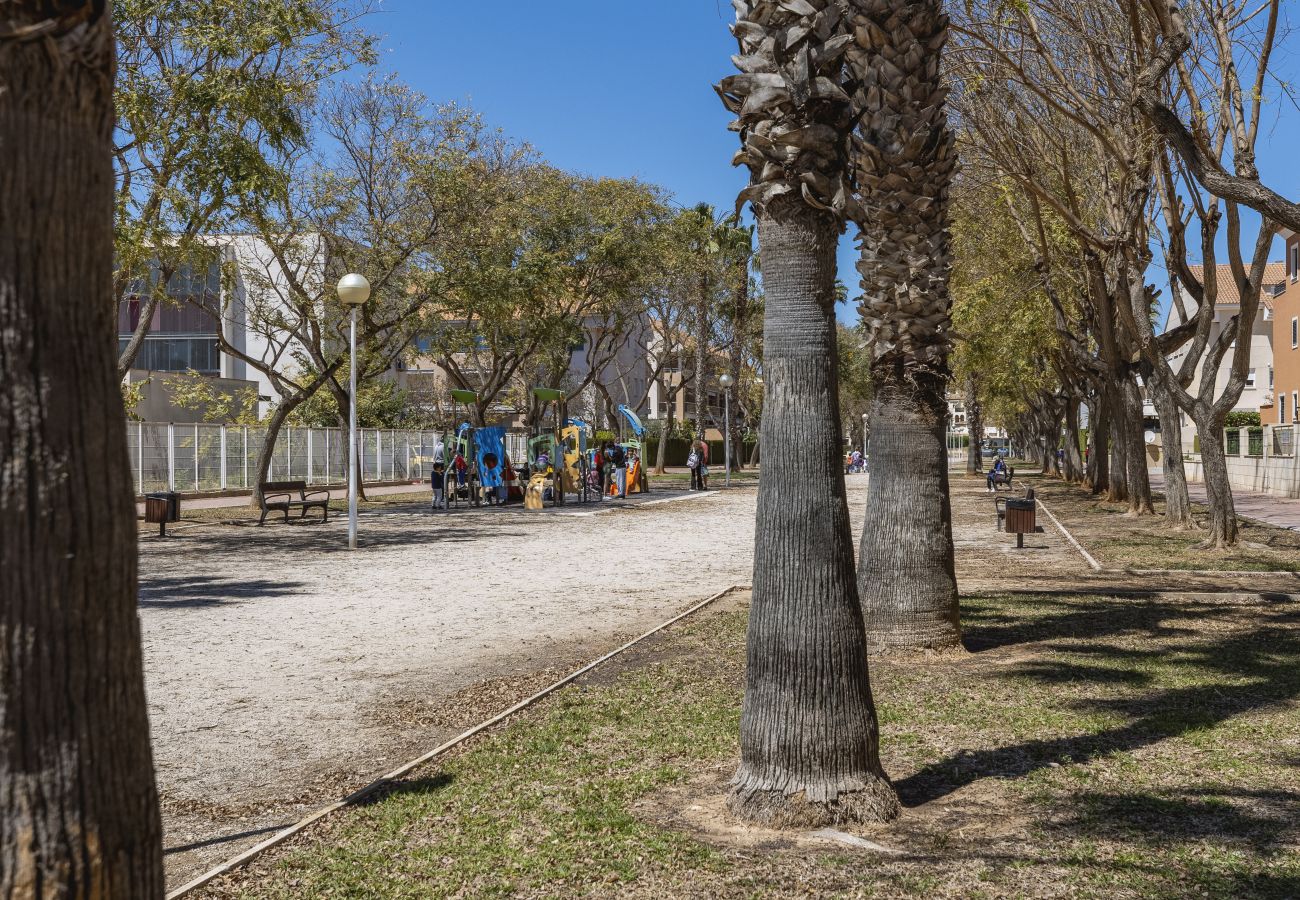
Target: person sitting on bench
{"x": 999, "y": 470}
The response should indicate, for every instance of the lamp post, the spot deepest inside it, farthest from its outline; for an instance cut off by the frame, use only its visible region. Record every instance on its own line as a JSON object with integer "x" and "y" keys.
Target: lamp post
{"x": 353, "y": 290}
{"x": 726, "y": 381}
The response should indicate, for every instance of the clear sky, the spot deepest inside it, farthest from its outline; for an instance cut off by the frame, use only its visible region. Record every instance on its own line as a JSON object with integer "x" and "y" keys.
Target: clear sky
{"x": 617, "y": 88}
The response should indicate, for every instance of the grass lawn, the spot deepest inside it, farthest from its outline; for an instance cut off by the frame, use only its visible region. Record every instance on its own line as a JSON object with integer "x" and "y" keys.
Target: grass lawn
{"x": 1118, "y": 541}
{"x": 1087, "y": 747}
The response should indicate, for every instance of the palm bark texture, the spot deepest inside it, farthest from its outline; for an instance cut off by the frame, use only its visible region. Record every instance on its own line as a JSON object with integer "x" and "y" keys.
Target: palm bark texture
{"x": 809, "y": 737}
{"x": 904, "y": 158}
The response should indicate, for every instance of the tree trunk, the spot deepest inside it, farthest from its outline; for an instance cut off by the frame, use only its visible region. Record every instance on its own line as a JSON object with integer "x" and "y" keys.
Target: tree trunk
{"x": 1098, "y": 445}
{"x": 78, "y": 807}
{"x": 975, "y": 427}
{"x": 1218, "y": 490}
{"x": 753, "y": 454}
{"x": 661, "y": 452}
{"x": 740, "y": 327}
{"x": 267, "y": 451}
{"x": 808, "y": 732}
{"x": 341, "y": 402}
{"x": 1178, "y": 505}
{"x": 1139, "y": 481}
{"x": 1074, "y": 472}
{"x": 906, "y": 575}
{"x": 1118, "y": 489}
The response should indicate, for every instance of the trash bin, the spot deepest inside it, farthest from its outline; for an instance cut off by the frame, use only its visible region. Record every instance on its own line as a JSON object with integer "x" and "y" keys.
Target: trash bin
{"x": 162, "y": 507}
{"x": 1020, "y": 518}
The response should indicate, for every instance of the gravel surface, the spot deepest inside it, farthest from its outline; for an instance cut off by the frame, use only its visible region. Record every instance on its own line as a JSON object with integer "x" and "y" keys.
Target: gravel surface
{"x": 284, "y": 671}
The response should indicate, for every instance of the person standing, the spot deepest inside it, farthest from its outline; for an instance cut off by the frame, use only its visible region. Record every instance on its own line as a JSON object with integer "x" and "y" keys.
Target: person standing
{"x": 601, "y": 462}
{"x": 693, "y": 463}
{"x": 438, "y": 482}
{"x": 618, "y": 458}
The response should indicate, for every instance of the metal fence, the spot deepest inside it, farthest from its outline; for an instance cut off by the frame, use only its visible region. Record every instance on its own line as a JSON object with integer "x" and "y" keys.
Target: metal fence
{"x": 1283, "y": 440}
{"x": 203, "y": 457}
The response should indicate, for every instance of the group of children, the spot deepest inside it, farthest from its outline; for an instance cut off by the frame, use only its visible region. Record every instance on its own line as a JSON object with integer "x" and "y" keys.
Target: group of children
{"x": 491, "y": 477}
{"x": 609, "y": 463}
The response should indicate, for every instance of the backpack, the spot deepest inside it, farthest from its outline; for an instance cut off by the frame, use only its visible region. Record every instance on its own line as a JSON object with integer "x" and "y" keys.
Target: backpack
{"x": 693, "y": 461}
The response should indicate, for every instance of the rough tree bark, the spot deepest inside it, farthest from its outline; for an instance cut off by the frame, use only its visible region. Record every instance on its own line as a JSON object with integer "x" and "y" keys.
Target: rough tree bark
{"x": 1178, "y": 505}
{"x": 1222, "y": 514}
{"x": 1098, "y": 463}
{"x": 1139, "y": 482}
{"x": 78, "y": 807}
{"x": 904, "y": 157}
{"x": 1074, "y": 471}
{"x": 975, "y": 423}
{"x": 808, "y": 733}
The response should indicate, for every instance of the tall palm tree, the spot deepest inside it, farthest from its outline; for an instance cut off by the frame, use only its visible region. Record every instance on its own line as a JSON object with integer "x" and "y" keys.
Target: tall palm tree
{"x": 903, "y": 158}
{"x": 79, "y": 814}
{"x": 808, "y": 732}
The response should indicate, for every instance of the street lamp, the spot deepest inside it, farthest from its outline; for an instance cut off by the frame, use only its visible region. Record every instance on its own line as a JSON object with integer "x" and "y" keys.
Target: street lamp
{"x": 353, "y": 290}
{"x": 726, "y": 381}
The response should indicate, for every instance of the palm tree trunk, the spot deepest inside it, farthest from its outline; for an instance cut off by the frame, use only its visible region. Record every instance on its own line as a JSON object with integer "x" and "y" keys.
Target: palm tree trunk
{"x": 78, "y": 806}
{"x": 904, "y": 154}
{"x": 906, "y": 574}
{"x": 808, "y": 732}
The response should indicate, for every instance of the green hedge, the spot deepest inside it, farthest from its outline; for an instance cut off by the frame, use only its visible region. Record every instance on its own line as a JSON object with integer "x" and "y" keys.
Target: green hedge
{"x": 679, "y": 448}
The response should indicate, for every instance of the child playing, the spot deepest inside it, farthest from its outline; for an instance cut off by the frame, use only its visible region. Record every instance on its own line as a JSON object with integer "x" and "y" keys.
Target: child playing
{"x": 438, "y": 481}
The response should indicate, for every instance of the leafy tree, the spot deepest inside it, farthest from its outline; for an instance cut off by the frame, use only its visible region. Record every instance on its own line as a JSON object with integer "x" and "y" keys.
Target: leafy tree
{"x": 80, "y": 811}
{"x": 209, "y": 95}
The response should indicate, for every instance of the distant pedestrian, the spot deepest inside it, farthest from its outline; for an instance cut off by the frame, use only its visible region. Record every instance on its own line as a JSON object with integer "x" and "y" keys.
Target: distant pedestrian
{"x": 618, "y": 460}
{"x": 438, "y": 482}
{"x": 700, "y": 472}
{"x": 598, "y": 466}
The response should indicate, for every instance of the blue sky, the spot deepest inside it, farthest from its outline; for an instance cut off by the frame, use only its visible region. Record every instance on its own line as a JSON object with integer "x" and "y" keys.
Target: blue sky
{"x": 616, "y": 88}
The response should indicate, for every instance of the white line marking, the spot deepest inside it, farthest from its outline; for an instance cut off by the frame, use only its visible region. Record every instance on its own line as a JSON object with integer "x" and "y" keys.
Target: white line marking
{"x": 1096, "y": 566}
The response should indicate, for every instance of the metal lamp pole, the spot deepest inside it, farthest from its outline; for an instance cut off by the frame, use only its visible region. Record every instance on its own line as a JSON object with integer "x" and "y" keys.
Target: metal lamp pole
{"x": 726, "y": 381}
{"x": 353, "y": 290}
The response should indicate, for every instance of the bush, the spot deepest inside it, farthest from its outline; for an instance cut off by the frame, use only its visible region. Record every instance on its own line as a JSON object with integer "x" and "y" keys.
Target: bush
{"x": 1242, "y": 419}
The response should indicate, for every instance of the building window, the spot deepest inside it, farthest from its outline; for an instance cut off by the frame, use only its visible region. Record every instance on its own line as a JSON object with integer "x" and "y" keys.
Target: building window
{"x": 1295, "y": 332}
{"x": 1295, "y": 398}
{"x": 1270, "y": 378}
{"x": 171, "y": 354}
{"x": 1295, "y": 260}
{"x": 1250, "y": 378}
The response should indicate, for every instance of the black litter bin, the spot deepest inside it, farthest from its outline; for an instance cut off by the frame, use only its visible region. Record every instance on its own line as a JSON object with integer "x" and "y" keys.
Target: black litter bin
{"x": 162, "y": 507}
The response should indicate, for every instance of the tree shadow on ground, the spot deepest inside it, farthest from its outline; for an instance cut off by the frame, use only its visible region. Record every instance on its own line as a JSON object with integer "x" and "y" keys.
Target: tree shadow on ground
{"x": 373, "y": 534}
{"x": 1239, "y": 672}
{"x": 200, "y": 591}
{"x": 987, "y": 626}
{"x": 429, "y": 784}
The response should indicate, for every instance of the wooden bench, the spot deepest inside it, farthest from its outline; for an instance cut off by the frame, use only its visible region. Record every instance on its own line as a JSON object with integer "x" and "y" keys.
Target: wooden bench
{"x": 283, "y": 496}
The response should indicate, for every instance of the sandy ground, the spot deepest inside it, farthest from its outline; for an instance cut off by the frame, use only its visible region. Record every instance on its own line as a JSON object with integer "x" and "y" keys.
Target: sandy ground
{"x": 284, "y": 672}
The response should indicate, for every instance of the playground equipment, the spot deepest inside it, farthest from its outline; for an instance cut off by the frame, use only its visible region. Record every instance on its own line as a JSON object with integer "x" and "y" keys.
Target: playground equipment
{"x": 565, "y": 449}
{"x": 462, "y": 483}
{"x": 637, "y": 480}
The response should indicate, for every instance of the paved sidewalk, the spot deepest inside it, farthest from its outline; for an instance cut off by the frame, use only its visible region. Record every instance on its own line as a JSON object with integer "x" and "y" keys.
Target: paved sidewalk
{"x": 1280, "y": 511}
